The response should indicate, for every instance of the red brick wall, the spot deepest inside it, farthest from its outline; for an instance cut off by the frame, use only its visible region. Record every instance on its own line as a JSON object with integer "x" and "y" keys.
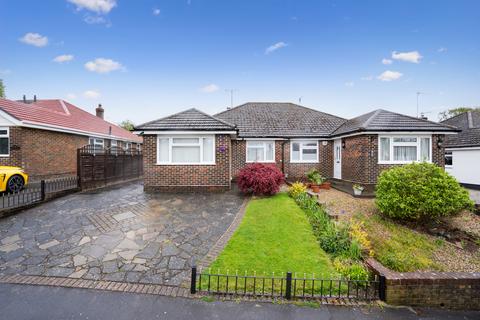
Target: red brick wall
{"x": 360, "y": 158}
{"x": 186, "y": 177}
{"x": 43, "y": 153}
{"x": 294, "y": 171}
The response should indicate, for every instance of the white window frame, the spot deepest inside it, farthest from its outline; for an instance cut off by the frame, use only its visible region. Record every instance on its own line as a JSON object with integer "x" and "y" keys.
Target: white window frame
{"x": 199, "y": 144}
{"x": 96, "y": 142}
{"x": 113, "y": 143}
{"x": 263, "y": 146}
{"x": 301, "y": 148}
{"x": 410, "y": 144}
{"x": 7, "y": 135}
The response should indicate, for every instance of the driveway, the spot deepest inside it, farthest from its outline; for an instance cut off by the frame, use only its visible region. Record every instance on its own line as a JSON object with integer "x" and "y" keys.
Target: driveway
{"x": 118, "y": 234}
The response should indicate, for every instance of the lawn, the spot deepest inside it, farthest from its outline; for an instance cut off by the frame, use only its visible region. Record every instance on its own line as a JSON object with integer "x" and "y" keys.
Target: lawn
{"x": 274, "y": 236}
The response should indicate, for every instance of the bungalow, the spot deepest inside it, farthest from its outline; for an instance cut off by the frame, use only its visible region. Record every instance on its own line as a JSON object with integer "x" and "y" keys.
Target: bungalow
{"x": 42, "y": 136}
{"x": 192, "y": 150}
{"x": 462, "y": 151}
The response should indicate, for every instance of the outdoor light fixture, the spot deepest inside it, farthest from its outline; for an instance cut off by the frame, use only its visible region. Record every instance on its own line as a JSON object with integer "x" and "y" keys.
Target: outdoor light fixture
{"x": 439, "y": 143}
{"x": 343, "y": 144}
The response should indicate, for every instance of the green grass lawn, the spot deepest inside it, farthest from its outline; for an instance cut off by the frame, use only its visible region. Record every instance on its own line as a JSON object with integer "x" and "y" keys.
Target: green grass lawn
{"x": 274, "y": 236}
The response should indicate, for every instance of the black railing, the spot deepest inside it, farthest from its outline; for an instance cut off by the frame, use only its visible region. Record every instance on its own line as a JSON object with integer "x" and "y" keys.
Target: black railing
{"x": 287, "y": 285}
{"x": 37, "y": 192}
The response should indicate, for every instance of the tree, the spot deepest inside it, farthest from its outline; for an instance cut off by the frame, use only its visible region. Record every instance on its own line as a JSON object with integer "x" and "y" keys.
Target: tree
{"x": 450, "y": 113}
{"x": 2, "y": 89}
{"x": 127, "y": 125}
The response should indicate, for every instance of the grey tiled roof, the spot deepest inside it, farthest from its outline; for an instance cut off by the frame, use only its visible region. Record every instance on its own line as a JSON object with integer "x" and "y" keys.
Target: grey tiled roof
{"x": 469, "y": 123}
{"x": 265, "y": 119}
{"x": 383, "y": 120}
{"x": 191, "y": 119}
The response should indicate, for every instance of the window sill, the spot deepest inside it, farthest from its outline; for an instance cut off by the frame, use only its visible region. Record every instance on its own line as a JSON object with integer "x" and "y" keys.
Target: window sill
{"x": 259, "y": 161}
{"x": 304, "y": 161}
{"x": 185, "y": 164}
{"x": 402, "y": 162}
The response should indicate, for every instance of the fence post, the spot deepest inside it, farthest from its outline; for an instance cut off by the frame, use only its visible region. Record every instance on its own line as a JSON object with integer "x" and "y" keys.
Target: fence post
{"x": 42, "y": 190}
{"x": 288, "y": 286}
{"x": 193, "y": 281}
{"x": 382, "y": 288}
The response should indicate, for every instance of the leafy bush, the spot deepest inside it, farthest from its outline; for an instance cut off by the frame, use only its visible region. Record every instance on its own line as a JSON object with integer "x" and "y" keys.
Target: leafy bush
{"x": 296, "y": 189}
{"x": 315, "y": 177}
{"x": 420, "y": 191}
{"x": 260, "y": 179}
{"x": 360, "y": 236}
{"x": 334, "y": 239}
{"x": 350, "y": 269}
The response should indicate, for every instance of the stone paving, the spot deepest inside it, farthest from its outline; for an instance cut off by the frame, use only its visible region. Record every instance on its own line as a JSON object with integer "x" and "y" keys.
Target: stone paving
{"x": 118, "y": 234}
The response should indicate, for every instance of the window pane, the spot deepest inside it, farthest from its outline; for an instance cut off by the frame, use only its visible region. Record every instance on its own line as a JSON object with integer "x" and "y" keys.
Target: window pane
{"x": 295, "y": 151}
{"x": 255, "y": 154}
{"x": 404, "y": 153}
{"x": 186, "y": 154}
{"x": 310, "y": 144}
{"x": 269, "y": 146}
{"x": 255, "y": 144}
{"x": 309, "y": 154}
{"x": 185, "y": 140}
{"x": 3, "y": 146}
{"x": 385, "y": 149}
{"x": 425, "y": 149}
{"x": 163, "y": 150}
{"x": 448, "y": 159}
{"x": 405, "y": 139}
{"x": 208, "y": 149}
{"x": 3, "y": 132}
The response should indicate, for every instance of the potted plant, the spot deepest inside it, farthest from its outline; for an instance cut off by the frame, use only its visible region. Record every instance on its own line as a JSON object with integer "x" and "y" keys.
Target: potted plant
{"x": 358, "y": 189}
{"x": 315, "y": 179}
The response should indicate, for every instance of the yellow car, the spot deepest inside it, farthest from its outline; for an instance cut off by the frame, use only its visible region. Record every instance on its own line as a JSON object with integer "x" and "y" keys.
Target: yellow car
{"x": 12, "y": 179}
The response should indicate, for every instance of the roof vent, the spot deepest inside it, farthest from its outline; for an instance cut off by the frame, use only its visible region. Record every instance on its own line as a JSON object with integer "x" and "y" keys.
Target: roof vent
{"x": 423, "y": 116}
{"x": 99, "y": 111}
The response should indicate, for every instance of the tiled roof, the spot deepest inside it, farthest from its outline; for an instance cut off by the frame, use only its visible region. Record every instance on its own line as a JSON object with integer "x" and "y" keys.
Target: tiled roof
{"x": 383, "y": 120}
{"x": 469, "y": 123}
{"x": 264, "y": 119}
{"x": 191, "y": 119}
{"x": 63, "y": 115}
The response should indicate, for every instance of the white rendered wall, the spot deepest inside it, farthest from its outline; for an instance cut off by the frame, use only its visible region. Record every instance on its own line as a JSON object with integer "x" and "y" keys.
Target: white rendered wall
{"x": 465, "y": 166}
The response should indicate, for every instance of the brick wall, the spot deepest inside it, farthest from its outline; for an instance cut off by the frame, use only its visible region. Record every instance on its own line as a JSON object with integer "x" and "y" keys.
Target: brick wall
{"x": 43, "y": 154}
{"x": 186, "y": 177}
{"x": 455, "y": 290}
{"x": 294, "y": 171}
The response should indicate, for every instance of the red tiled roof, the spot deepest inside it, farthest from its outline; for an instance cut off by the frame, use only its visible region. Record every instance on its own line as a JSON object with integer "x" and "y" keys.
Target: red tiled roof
{"x": 59, "y": 113}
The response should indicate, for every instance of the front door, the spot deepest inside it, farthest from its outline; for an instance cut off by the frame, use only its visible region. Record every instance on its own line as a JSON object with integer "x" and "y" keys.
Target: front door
{"x": 337, "y": 159}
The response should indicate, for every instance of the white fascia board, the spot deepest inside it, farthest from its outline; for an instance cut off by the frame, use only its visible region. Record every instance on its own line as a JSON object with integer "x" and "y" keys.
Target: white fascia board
{"x": 386, "y": 133}
{"x": 260, "y": 139}
{"x": 9, "y": 118}
{"x": 173, "y": 132}
{"x": 462, "y": 148}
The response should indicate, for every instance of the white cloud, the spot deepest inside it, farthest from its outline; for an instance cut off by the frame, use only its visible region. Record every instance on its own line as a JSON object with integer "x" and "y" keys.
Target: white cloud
{"x": 387, "y": 61}
{"x": 367, "y": 78}
{"x": 63, "y": 58}
{"x": 91, "y": 94}
{"x": 98, "y": 6}
{"x": 442, "y": 49}
{"x": 412, "y": 56}
{"x": 209, "y": 88}
{"x": 96, "y": 20}
{"x": 156, "y": 11}
{"x": 389, "y": 75}
{"x": 34, "y": 39}
{"x": 72, "y": 96}
{"x": 275, "y": 47}
{"x": 102, "y": 65}
{"x": 349, "y": 84}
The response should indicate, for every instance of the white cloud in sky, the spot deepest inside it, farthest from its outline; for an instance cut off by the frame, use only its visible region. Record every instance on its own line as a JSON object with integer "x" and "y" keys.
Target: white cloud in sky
{"x": 98, "y": 6}
{"x": 442, "y": 49}
{"x": 156, "y": 11}
{"x": 63, "y": 58}
{"x": 349, "y": 84}
{"x": 209, "y": 88}
{"x": 91, "y": 94}
{"x": 411, "y": 56}
{"x": 389, "y": 75}
{"x": 72, "y": 96}
{"x": 34, "y": 39}
{"x": 366, "y": 78}
{"x": 102, "y": 65}
{"x": 386, "y": 61}
{"x": 275, "y": 47}
{"x": 96, "y": 20}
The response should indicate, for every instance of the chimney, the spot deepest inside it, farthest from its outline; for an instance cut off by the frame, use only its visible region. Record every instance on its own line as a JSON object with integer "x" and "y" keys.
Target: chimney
{"x": 99, "y": 111}
{"x": 34, "y": 98}
{"x": 423, "y": 116}
{"x": 24, "y": 99}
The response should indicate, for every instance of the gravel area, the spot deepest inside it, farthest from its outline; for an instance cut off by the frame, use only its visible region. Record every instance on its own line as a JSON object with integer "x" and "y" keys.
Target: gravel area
{"x": 344, "y": 205}
{"x": 455, "y": 259}
{"x": 467, "y": 222}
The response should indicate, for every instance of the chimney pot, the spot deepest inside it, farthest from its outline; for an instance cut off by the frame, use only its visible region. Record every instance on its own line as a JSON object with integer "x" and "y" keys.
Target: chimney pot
{"x": 24, "y": 99}
{"x": 34, "y": 98}
{"x": 100, "y": 111}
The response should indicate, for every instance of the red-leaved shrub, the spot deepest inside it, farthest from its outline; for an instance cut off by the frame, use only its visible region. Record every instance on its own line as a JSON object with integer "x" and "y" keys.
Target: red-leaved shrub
{"x": 260, "y": 179}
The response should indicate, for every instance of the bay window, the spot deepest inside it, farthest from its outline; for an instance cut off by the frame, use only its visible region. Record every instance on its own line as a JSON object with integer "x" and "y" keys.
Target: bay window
{"x": 4, "y": 142}
{"x": 260, "y": 151}
{"x": 304, "y": 151}
{"x": 404, "y": 149}
{"x": 186, "y": 150}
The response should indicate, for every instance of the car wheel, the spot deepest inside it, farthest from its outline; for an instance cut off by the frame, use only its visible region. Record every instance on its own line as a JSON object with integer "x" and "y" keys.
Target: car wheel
{"x": 15, "y": 183}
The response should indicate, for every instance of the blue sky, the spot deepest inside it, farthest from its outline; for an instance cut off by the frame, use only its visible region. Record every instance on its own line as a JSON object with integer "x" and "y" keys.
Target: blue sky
{"x": 147, "y": 59}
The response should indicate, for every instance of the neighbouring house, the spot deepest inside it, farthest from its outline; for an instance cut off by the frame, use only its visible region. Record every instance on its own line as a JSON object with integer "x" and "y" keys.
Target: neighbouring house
{"x": 42, "y": 136}
{"x": 192, "y": 150}
{"x": 462, "y": 151}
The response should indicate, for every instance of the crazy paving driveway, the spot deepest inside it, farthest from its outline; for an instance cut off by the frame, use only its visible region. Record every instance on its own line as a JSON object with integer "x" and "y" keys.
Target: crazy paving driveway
{"x": 119, "y": 234}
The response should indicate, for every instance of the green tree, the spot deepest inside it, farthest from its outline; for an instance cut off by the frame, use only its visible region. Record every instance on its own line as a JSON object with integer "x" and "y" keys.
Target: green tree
{"x": 450, "y": 113}
{"x": 127, "y": 125}
{"x": 2, "y": 89}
